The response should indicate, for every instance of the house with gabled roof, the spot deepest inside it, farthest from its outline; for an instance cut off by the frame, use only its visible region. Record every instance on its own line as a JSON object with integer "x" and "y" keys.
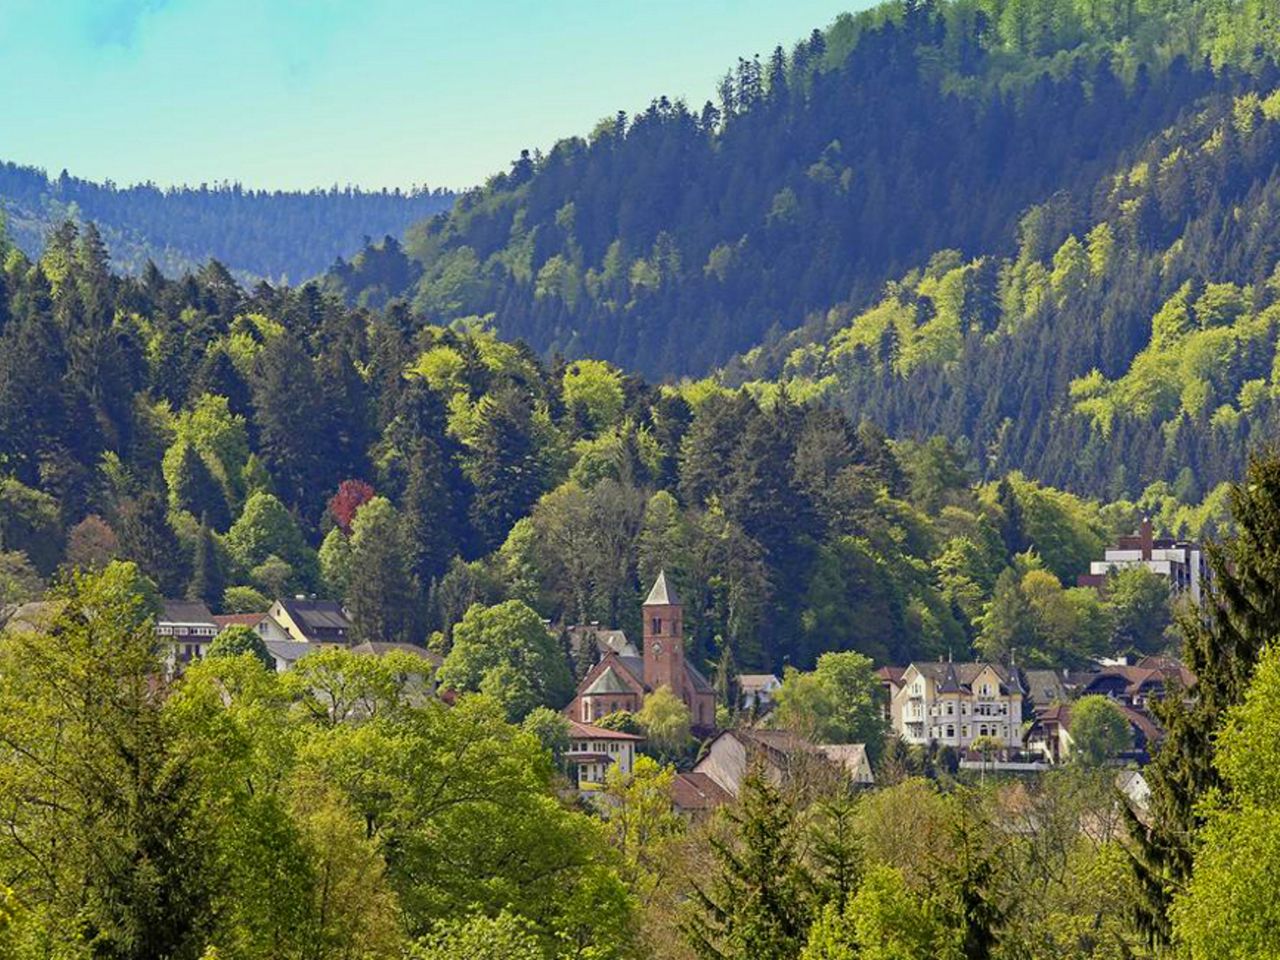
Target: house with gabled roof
{"x": 593, "y": 751}
{"x": 309, "y": 620}
{"x": 954, "y": 704}
{"x": 621, "y": 681}
{"x": 185, "y": 629}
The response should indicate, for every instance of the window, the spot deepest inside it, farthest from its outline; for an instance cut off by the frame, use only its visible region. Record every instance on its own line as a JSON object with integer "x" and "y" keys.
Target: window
{"x": 655, "y": 625}
{"x": 951, "y": 732}
{"x": 586, "y": 710}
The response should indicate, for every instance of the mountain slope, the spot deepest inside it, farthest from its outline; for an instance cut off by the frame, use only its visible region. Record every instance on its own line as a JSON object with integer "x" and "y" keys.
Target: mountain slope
{"x": 670, "y": 241}
{"x": 292, "y": 235}
{"x": 1130, "y": 340}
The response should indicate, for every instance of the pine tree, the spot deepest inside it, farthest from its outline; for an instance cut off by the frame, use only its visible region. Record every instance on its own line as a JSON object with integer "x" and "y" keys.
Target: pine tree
{"x": 197, "y": 490}
{"x": 208, "y": 582}
{"x": 504, "y": 466}
{"x": 381, "y": 594}
{"x": 1221, "y": 647}
{"x": 757, "y": 904}
{"x": 148, "y": 540}
{"x": 1011, "y": 526}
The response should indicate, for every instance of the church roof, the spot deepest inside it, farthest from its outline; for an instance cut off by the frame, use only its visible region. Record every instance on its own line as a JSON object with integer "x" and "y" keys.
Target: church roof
{"x": 607, "y": 682}
{"x": 663, "y": 594}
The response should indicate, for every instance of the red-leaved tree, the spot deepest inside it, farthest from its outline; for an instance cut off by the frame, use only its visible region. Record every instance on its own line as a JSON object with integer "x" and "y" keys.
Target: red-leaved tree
{"x": 351, "y": 496}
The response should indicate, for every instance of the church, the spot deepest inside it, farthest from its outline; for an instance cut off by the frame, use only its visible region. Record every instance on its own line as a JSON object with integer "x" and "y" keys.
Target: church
{"x": 620, "y": 682}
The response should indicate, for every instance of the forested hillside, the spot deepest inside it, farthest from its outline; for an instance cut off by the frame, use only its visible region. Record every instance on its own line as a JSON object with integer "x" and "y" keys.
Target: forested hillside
{"x": 225, "y": 440}
{"x": 1130, "y": 340}
{"x": 278, "y": 234}
{"x": 670, "y": 240}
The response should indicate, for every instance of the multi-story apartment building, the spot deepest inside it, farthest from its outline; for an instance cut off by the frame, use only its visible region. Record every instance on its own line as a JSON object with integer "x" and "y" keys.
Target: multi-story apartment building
{"x": 954, "y": 704}
{"x": 1182, "y": 562}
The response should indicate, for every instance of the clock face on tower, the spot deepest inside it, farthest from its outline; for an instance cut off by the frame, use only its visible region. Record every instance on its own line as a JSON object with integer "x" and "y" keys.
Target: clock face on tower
{"x": 657, "y": 646}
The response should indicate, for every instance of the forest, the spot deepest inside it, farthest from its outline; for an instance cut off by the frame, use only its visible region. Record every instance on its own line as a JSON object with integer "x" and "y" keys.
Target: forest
{"x": 245, "y": 445}
{"x": 283, "y": 236}
{"x": 872, "y": 355}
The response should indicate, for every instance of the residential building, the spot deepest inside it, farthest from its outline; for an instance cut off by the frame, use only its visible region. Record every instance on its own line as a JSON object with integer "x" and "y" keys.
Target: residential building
{"x": 1181, "y": 562}
{"x": 1049, "y": 734}
{"x": 756, "y": 690}
{"x": 589, "y": 642}
{"x": 185, "y": 628}
{"x": 695, "y": 795}
{"x": 784, "y": 757}
{"x": 593, "y": 751}
{"x": 286, "y": 653}
{"x": 260, "y": 623}
{"x": 310, "y": 620}
{"x": 953, "y": 704}
{"x": 1135, "y": 685}
{"x": 621, "y": 681}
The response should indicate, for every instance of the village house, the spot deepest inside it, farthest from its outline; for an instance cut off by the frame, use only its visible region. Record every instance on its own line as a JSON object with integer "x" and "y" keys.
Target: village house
{"x": 260, "y": 623}
{"x": 593, "y": 751}
{"x": 185, "y": 628}
{"x": 695, "y": 795}
{"x": 1049, "y": 734}
{"x": 1135, "y": 685}
{"x": 1181, "y": 562}
{"x": 309, "y": 620}
{"x": 784, "y": 756}
{"x": 756, "y": 690}
{"x": 621, "y": 681}
{"x": 953, "y": 704}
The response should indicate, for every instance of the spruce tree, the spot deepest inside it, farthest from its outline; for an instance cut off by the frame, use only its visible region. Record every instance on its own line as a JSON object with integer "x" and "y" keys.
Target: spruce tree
{"x": 757, "y": 904}
{"x": 1221, "y": 646}
{"x": 208, "y": 582}
{"x": 381, "y": 593}
{"x": 197, "y": 490}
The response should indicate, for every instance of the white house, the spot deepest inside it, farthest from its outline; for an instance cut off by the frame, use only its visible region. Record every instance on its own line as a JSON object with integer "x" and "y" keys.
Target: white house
{"x": 954, "y": 704}
{"x": 185, "y": 628}
{"x": 594, "y": 750}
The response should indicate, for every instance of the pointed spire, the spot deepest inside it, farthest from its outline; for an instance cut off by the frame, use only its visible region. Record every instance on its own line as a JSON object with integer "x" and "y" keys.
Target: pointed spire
{"x": 662, "y": 594}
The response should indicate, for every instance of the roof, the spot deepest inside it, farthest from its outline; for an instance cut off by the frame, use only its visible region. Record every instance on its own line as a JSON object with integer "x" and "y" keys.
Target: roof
{"x": 663, "y": 593}
{"x": 31, "y": 617}
{"x": 752, "y": 682}
{"x": 607, "y": 682}
{"x": 700, "y": 683}
{"x": 289, "y": 651}
{"x": 1151, "y": 670}
{"x": 316, "y": 615}
{"x": 605, "y": 639}
{"x": 851, "y": 756}
{"x": 186, "y": 611}
{"x": 697, "y": 791}
{"x": 374, "y": 649}
{"x": 944, "y": 672}
{"x": 238, "y": 620}
{"x": 589, "y": 731}
{"x": 1045, "y": 686}
{"x": 892, "y": 674}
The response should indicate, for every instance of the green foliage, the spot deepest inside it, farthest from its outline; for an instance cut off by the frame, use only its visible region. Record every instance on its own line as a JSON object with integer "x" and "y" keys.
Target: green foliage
{"x": 19, "y": 580}
{"x": 265, "y": 529}
{"x": 1099, "y": 730}
{"x": 754, "y": 904}
{"x": 505, "y": 651}
{"x": 238, "y": 640}
{"x": 1225, "y": 910}
{"x": 838, "y": 702}
{"x": 665, "y": 721}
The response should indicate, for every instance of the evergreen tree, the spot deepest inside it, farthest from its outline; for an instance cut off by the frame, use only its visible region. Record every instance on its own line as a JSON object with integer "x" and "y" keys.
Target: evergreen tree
{"x": 197, "y": 491}
{"x": 148, "y": 540}
{"x": 381, "y": 594}
{"x": 503, "y": 466}
{"x": 756, "y": 906}
{"x": 1221, "y": 649}
{"x": 208, "y": 581}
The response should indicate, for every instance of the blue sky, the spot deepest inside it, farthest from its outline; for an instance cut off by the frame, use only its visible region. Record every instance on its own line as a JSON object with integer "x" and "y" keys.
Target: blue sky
{"x": 299, "y": 93}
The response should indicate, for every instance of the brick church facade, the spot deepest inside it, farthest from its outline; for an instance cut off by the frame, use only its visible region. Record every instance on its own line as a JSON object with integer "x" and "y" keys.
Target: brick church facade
{"x": 620, "y": 682}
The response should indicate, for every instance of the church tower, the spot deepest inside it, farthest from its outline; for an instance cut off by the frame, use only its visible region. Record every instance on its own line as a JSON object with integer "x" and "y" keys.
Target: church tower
{"x": 664, "y": 638}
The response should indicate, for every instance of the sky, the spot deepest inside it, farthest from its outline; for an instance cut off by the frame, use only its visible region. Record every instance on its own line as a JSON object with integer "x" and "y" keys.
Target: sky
{"x": 376, "y": 93}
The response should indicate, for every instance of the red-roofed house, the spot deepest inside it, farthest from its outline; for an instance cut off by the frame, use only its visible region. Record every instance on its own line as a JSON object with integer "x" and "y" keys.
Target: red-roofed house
{"x": 594, "y": 750}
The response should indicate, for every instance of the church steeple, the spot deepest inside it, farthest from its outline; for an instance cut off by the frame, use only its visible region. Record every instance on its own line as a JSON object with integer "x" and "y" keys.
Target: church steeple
{"x": 664, "y": 638}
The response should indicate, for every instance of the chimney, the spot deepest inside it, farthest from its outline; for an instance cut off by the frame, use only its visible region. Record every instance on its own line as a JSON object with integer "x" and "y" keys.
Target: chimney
{"x": 1146, "y": 536}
